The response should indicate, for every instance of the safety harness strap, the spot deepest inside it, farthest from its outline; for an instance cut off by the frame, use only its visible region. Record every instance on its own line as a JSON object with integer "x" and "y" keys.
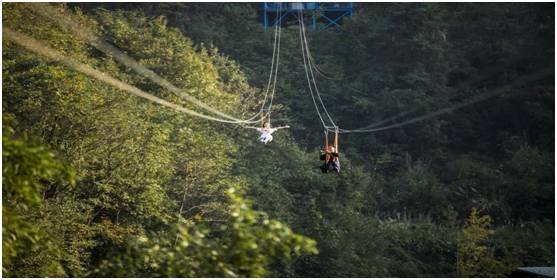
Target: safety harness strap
{"x": 327, "y": 154}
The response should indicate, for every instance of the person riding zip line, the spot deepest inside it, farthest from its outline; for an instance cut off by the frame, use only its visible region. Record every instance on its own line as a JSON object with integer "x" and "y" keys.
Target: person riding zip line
{"x": 332, "y": 162}
{"x": 266, "y": 131}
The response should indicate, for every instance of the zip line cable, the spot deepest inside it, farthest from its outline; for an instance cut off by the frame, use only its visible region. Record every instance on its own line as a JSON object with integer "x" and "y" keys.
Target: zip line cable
{"x": 304, "y": 50}
{"x": 408, "y": 112}
{"x": 399, "y": 115}
{"x": 392, "y": 118}
{"x": 84, "y": 33}
{"x": 42, "y": 49}
{"x": 312, "y": 76}
{"x": 279, "y": 24}
{"x": 374, "y": 128}
{"x": 376, "y": 124}
{"x": 526, "y": 79}
{"x": 308, "y": 79}
{"x": 319, "y": 71}
{"x": 274, "y": 69}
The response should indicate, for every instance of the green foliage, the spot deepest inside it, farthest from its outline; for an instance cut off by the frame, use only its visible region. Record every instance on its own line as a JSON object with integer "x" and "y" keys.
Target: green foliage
{"x": 526, "y": 242}
{"x": 419, "y": 249}
{"x": 28, "y": 171}
{"x": 242, "y": 245}
{"x": 421, "y": 193}
{"x": 392, "y": 59}
{"x": 475, "y": 257}
{"x": 139, "y": 168}
{"x": 149, "y": 179}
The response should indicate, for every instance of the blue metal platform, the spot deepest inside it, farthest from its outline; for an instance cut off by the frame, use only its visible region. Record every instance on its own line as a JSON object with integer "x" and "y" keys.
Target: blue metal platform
{"x": 323, "y": 15}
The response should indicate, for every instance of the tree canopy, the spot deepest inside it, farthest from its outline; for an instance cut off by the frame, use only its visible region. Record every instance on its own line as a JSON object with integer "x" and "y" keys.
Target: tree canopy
{"x": 98, "y": 182}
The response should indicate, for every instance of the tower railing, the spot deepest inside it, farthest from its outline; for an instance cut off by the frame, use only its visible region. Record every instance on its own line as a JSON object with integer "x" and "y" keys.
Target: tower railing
{"x": 329, "y": 14}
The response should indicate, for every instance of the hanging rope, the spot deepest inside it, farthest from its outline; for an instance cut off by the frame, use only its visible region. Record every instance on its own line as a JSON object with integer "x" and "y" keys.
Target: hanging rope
{"x": 327, "y": 150}
{"x": 374, "y": 128}
{"x": 319, "y": 71}
{"x": 301, "y": 20}
{"x": 336, "y": 139}
{"x": 84, "y": 33}
{"x": 526, "y": 79}
{"x": 42, "y": 49}
{"x": 274, "y": 70}
{"x": 279, "y": 24}
{"x": 308, "y": 79}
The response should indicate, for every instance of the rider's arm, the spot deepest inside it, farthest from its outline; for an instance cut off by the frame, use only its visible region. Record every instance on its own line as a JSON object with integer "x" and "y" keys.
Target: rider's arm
{"x": 285, "y": 126}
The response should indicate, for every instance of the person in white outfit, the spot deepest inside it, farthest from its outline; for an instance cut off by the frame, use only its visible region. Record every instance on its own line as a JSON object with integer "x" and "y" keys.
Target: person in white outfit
{"x": 266, "y": 132}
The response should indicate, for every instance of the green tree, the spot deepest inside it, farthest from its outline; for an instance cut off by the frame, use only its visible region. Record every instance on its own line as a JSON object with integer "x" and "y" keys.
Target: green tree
{"x": 242, "y": 245}
{"x": 140, "y": 169}
{"x": 475, "y": 256}
{"x": 28, "y": 171}
{"x": 147, "y": 172}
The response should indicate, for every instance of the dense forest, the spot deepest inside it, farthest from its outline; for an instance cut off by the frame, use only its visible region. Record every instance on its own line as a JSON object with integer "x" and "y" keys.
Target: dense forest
{"x": 98, "y": 182}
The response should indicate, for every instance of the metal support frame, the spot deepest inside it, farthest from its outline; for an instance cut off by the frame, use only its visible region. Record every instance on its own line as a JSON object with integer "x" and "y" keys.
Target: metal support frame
{"x": 347, "y": 10}
{"x": 317, "y": 11}
{"x": 265, "y": 20}
{"x": 333, "y": 21}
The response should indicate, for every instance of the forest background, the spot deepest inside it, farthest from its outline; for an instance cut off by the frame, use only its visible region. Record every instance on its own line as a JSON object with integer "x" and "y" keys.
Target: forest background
{"x": 98, "y": 182}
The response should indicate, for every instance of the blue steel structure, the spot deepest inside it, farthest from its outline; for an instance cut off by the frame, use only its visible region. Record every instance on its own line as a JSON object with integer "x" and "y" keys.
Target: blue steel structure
{"x": 323, "y": 15}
